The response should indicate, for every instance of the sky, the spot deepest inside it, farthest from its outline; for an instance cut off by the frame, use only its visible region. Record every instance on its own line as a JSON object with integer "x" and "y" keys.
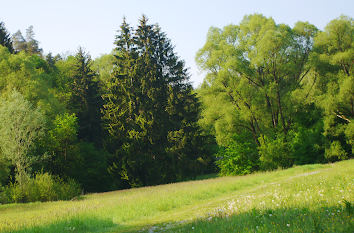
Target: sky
{"x": 61, "y": 26}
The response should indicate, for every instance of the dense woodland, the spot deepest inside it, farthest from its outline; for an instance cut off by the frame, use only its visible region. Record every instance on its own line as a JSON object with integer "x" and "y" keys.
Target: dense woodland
{"x": 273, "y": 97}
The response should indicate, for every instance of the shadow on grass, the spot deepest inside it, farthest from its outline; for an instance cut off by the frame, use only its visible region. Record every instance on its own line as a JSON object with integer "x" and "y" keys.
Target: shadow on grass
{"x": 78, "y": 225}
{"x": 322, "y": 219}
{"x": 204, "y": 177}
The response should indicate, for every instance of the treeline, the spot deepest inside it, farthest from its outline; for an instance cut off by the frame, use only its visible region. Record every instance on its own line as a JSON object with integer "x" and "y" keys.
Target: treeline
{"x": 274, "y": 96}
{"x": 127, "y": 119}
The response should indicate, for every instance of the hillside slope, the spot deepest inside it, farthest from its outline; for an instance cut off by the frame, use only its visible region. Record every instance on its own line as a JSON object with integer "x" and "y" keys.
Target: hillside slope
{"x": 310, "y": 198}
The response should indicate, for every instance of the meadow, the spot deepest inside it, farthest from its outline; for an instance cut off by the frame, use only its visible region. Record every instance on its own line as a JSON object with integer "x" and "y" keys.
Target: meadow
{"x": 309, "y": 198}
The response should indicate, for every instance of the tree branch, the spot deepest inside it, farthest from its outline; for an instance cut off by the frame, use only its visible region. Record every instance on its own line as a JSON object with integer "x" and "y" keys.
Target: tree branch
{"x": 342, "y": 117}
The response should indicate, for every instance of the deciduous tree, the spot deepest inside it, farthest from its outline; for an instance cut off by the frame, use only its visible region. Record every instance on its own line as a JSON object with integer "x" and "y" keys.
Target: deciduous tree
{"x": 334, "y": 88}
{"x": 20, "y": 126}
{"x": 253, "y": 70}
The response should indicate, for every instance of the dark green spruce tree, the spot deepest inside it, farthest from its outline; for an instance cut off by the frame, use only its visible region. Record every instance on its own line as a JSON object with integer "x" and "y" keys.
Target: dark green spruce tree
{"x": 5, "y": 39}
{"x": 149, "y": 109}
{"x": 86, "y": 101}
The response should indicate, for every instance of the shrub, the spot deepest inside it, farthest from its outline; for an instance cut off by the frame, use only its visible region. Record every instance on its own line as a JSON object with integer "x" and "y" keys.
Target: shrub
{"x": 307, "y": 144}
{"x": 275, "y": 153}
{"x": 335, "y": 152}
{"x": 240, "y": 157}
{"x": 43, "y": 187}
{"x": 69, "y": 190}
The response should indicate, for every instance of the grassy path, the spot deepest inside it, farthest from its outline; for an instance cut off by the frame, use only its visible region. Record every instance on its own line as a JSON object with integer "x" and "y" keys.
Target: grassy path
{"x": 260, "y": 202}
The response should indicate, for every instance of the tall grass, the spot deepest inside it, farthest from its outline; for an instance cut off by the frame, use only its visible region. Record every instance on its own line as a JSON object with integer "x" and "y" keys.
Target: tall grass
{"x": 300, "y": 199}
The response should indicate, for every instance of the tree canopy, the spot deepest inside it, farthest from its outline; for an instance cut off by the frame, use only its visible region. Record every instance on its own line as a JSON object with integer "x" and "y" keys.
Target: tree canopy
{"x": 150, "y": 109}
{"x": 273, "y": 96}
{"x": 20, "y": 127}
{"x": 262, "y": 81}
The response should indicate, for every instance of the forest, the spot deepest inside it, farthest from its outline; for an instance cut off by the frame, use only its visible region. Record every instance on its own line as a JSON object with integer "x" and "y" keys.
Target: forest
{"x": 274, "y": 96}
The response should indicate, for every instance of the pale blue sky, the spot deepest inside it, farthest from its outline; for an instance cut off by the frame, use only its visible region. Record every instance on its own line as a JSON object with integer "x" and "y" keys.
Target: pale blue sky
{"x": 64, "y": 25}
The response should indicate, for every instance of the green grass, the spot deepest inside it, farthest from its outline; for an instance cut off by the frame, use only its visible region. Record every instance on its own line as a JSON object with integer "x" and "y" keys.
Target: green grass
{"x": 310, "y": 198}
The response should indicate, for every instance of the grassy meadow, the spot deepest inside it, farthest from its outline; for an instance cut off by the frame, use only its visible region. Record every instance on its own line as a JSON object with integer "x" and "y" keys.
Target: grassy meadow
{"x": 310, "y": 198}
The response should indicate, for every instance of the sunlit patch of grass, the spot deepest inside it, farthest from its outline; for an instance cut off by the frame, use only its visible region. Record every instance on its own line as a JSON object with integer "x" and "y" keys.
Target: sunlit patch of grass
{"x": 270, "y": 201}
{"x": 272, "y": 220}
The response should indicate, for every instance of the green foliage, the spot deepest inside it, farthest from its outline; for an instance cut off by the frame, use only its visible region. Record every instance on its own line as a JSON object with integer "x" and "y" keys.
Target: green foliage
{"x": 300, "y": 146}
{"x": 20, "y": 126}
{"x": 240, "y": 157}
{"x": 335, "y": 44}
{"x": 103, "y": 66}
{"x": 19, "y": 41}
{"x": 43, "y": 187}
{"x": 336, "y": 152}
{"x": 64, "y": 133}
{"x": 254, "y": 86}
{"x": 32, "y": 44}
{"x": 61, "y": 144}
{"x": 5, "y": 39}
{"x": 349, "y": 135}
{"x": 253, "y": 68}
{"x": 92, "y": 172}
{"x": 274, "y": 96}
{"x": 85, "y": 100}
{"x": 65, "y": 129}
{"x": 4, "y": 170}
{"x": 70, "y": 158}
{"x": 31, "y": 76}
{"x": 29, "y": 45}
{"x": 275, "y": 153}
{"x": 307, "y": 144}
{"x": 333, "y": 61}
{"x": 150, "y": 111}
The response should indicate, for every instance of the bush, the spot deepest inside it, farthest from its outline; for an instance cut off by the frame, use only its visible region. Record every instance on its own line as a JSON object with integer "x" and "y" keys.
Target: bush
{"x": 335, "y": 152}
{"x": 43, "y": 187}
{"x": 240, "y": 157}
{"x": 307, "y": 144}
{"x": 275, "y": 153}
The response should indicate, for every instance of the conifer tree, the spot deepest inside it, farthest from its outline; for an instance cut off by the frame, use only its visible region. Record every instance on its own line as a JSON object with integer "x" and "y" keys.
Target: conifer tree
{"x": 85, "y": 100}
{"x": 5, "y": 39}
{"x": 19, "y": 41}
{"x": 149, "y": 108}
{"x": 30, "y": 45}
